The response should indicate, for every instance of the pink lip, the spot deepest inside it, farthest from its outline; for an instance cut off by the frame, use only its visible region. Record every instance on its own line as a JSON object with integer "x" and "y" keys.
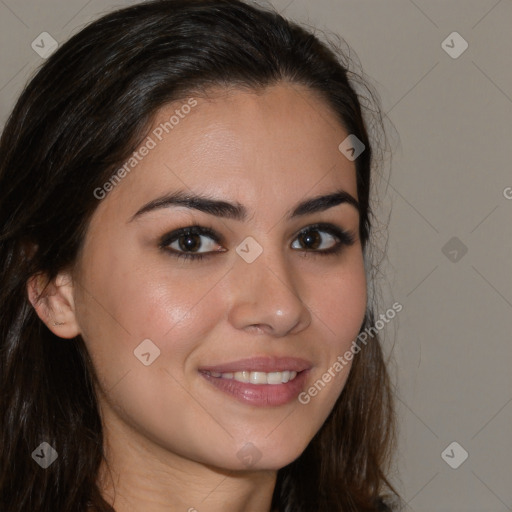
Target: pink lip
{"x": 261, "y": 364}
{"x": 260, "y": 394}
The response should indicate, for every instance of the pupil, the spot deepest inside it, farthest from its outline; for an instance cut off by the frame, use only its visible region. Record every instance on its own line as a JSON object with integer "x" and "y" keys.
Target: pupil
{"x": 189, "y": 244}
{"x": 311, "y": 240}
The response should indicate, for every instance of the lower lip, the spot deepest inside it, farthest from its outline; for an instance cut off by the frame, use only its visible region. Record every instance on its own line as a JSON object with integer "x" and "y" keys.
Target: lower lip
{"x": 260, "y": 394}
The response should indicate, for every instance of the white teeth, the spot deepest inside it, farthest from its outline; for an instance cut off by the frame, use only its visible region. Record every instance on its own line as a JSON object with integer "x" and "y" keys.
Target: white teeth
{"x": 275, "y": 378}
{"x": 258, "y": 377}
{"x": 241, "y": 376}
{"x": 287, "y": 375}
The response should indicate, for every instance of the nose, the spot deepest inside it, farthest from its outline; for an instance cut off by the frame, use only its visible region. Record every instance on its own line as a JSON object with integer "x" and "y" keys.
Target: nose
{"x": 266, "y": 296}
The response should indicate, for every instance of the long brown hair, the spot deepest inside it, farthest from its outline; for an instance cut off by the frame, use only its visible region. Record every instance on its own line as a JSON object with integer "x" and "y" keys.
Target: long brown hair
{"x": 80, "y": 117}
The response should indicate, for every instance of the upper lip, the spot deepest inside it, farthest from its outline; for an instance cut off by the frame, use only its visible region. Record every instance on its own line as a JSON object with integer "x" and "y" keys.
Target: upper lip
{"x": 261, "y": 364}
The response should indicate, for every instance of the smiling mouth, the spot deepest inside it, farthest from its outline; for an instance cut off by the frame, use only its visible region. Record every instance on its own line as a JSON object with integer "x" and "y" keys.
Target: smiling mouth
{"x": 255, "y": 377}
{"x": 258, "y": 388}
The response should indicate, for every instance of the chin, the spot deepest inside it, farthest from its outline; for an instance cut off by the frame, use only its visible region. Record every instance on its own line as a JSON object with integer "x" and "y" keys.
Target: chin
{"x": 268, "y": 457}
{"x": 263, "y": 456}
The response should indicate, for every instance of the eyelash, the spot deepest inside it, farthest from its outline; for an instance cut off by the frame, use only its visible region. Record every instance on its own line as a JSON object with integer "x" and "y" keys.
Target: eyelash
{"x": 344, "y": 239}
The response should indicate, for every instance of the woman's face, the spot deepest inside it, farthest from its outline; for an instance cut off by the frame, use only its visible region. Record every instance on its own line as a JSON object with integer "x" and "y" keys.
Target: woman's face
{"x": 154, "y": 322}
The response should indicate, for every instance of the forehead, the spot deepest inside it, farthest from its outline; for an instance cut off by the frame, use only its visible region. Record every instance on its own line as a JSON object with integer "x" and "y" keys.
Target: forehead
{"x": 273, "y": 146}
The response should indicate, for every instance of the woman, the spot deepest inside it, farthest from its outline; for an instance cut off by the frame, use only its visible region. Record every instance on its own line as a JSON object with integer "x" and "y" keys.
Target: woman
{"x": 185, "y": 225}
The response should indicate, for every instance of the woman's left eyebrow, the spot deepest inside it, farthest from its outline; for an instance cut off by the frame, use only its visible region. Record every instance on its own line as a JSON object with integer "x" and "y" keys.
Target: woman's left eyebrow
{"x": 237, "y": 211}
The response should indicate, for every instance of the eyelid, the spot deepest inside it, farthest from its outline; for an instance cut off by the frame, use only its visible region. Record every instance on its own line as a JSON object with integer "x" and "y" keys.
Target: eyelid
{"x": 195, "y": 229}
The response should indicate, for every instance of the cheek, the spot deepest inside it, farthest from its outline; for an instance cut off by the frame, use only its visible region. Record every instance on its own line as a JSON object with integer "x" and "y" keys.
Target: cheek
{"x": 177, "y": 313}
{"x": 338, "y": 300}
{"x": 126, "y": 304}
{"x": 338, "y": 303}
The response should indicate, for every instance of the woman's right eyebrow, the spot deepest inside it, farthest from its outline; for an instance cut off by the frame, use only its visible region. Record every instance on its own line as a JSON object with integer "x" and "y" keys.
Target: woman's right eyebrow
{"x": 237, "y": 211}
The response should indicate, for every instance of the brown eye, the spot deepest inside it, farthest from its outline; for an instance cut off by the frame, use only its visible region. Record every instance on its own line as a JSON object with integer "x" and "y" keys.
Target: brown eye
{"x": 311, "y": 239}
{"x": 189, "y": 242}
{"x": 186, "y": 242}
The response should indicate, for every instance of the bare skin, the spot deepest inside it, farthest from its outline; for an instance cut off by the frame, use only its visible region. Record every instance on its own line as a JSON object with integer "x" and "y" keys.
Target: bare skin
{"x": 171, "y": 438}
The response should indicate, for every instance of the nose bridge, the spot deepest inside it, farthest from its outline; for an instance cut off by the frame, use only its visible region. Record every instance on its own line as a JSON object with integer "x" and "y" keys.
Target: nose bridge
{"x": 266, "y": 292}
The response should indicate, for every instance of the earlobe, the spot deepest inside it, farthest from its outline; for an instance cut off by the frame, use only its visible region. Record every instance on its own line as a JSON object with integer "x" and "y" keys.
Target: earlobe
{"x": 54, "y": 303}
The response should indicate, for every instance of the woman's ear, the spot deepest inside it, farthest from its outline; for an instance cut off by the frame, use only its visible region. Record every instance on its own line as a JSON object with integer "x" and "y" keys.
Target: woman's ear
{"x": 54, "y": 303}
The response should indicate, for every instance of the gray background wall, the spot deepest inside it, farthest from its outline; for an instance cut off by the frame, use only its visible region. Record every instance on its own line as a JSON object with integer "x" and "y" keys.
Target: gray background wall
{"x": 449, "y": 191}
